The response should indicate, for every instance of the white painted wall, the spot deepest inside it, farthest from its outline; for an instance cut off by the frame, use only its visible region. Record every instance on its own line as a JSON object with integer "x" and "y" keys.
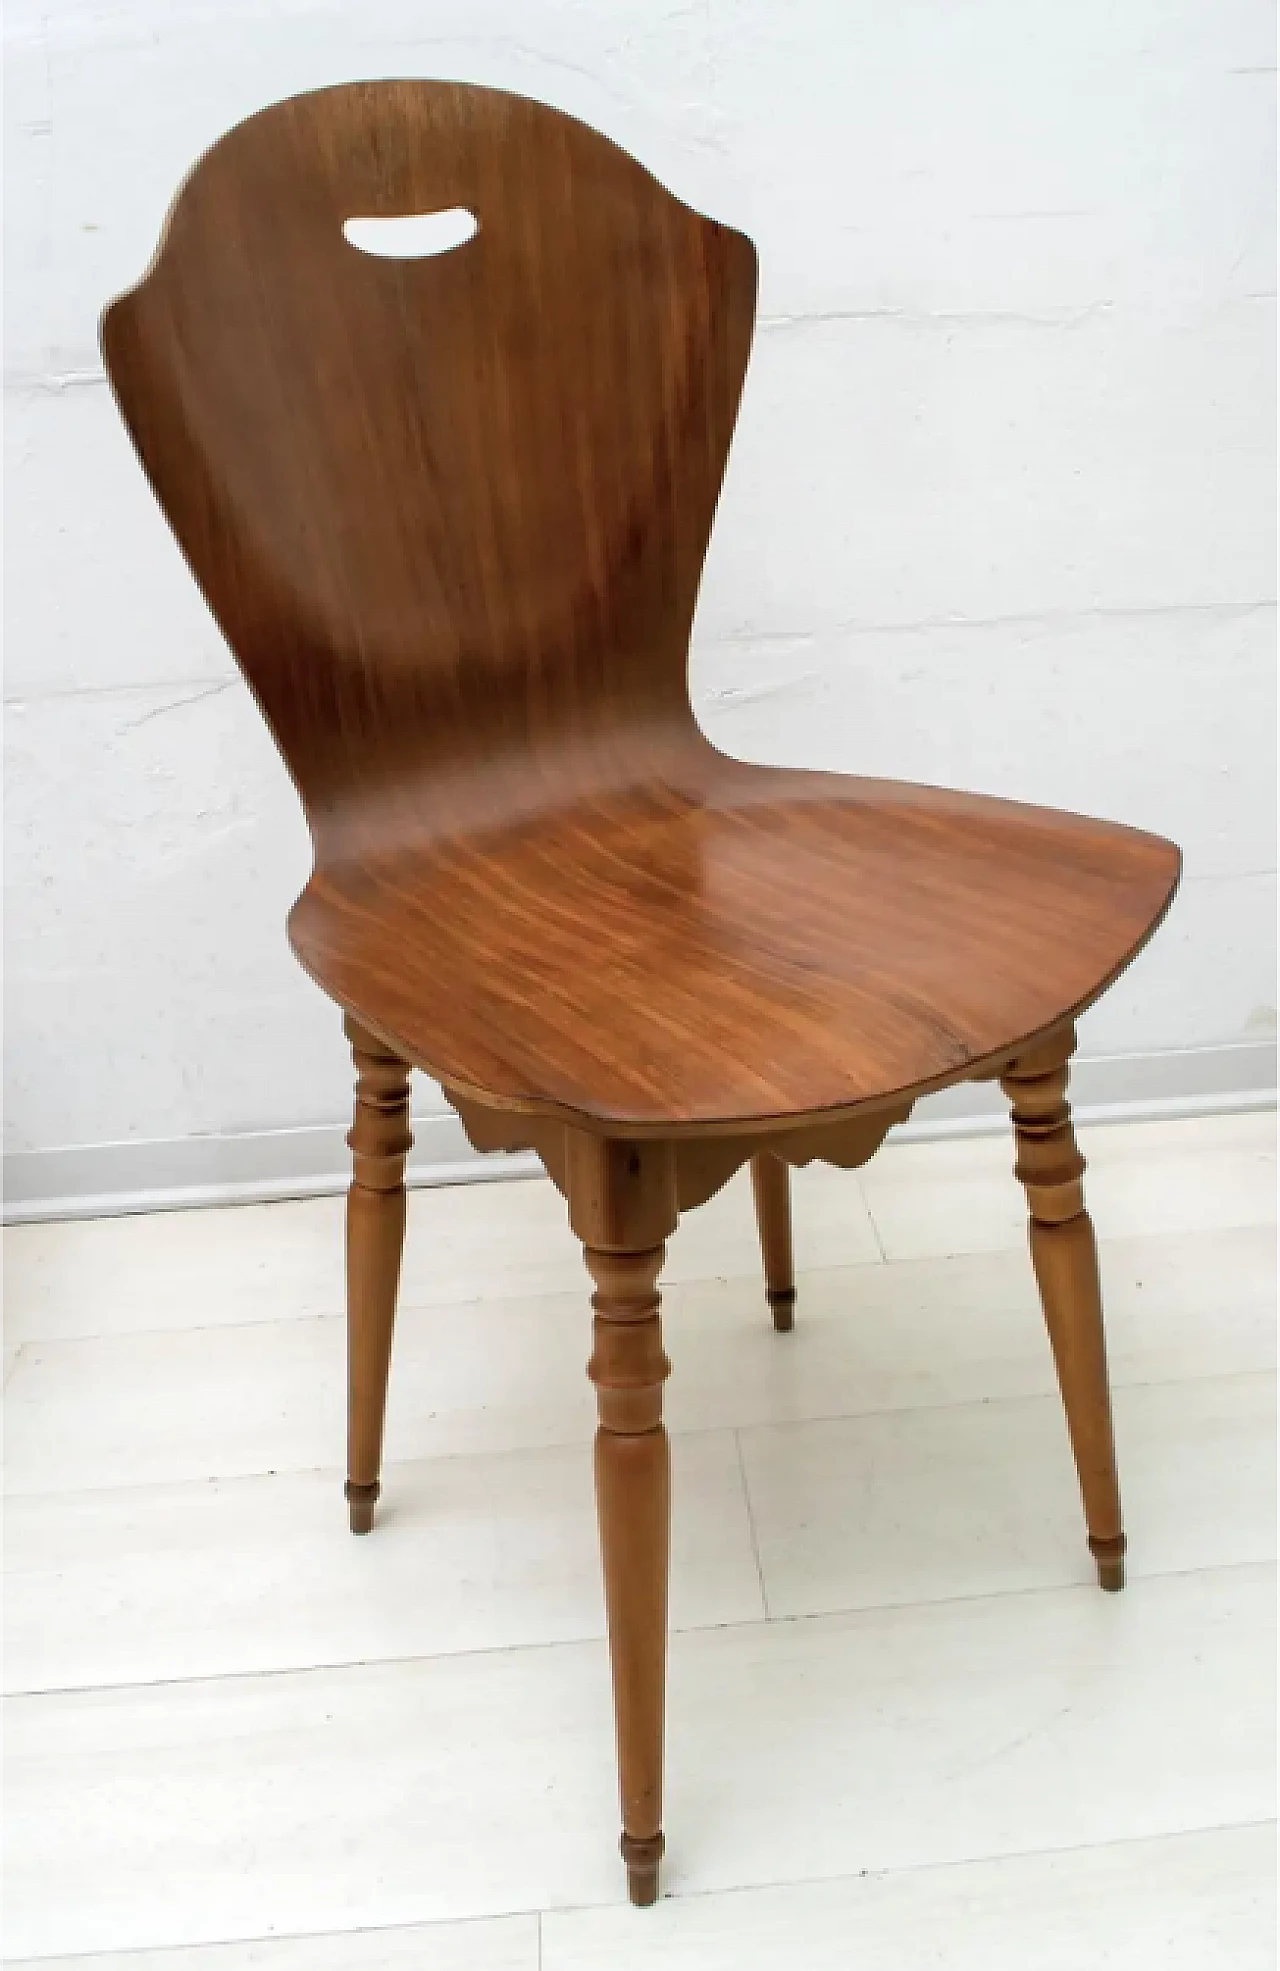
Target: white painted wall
{"x": 999, "y": 514}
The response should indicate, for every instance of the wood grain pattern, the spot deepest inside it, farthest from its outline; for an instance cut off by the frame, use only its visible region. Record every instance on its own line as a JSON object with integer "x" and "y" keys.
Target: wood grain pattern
{"x": 704, "y": 1163}
{"x": 1065, "y": 1255}
{"x": 451, "y": 515}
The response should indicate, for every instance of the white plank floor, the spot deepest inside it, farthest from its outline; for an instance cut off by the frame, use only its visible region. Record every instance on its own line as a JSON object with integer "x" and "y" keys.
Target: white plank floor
{"x": 905, "y": 1728}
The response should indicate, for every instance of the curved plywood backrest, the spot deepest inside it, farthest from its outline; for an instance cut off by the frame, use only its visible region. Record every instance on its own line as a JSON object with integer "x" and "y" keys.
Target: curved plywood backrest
{"x": 448, "y": 506}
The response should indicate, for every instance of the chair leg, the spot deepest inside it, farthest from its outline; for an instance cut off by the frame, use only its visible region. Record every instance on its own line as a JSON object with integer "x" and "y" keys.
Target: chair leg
{"x": 622, "y": 1206}
{"x": 380, "y": 1141}
{"x": 771, "y": 1188}
{"x": 1065, "y": 1257}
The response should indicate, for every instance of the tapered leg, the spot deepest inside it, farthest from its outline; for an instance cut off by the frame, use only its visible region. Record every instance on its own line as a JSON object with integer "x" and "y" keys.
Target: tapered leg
{"x": 622, "y": 1204}
{"x": 1065, "y": 1257}
{"x": 771, "y": 1187}
{"x": 380, "y": 1141}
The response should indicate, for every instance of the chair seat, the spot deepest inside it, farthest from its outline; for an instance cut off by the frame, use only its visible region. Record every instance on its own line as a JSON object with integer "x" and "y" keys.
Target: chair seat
{"x": 775, "y": 944}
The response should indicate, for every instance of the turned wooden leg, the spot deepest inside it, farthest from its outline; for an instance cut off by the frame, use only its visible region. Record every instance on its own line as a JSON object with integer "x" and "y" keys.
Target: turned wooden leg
{"x": 1066, "y": 1262}
{"x": 380, "y": 1141}
{"x": 771, "y": 1188}
{"x": 622, "y": 1206}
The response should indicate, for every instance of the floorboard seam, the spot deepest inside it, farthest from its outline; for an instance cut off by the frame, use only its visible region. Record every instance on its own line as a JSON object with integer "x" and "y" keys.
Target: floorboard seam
{"x": 1083, "y": 1586}
{"x": 751, "y": 1523}
{"x": 45, "y": 1496}
{"x": 89, "y": 1958}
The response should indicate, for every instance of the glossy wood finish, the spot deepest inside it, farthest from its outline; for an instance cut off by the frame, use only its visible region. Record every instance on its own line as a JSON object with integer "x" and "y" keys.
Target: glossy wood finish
{"x": 622, "y": 1203}
{"x": 451, "y": 515}
{"x": 1065, "y": 1255}
{"x": 855, "y": 943}
{"x": 380, "y": 1141}
{"x": 771, "y": 1189}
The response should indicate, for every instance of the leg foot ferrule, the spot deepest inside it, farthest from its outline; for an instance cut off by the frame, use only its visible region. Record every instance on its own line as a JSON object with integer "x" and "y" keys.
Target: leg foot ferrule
{"x": 361, "y": 1499}
{"x": 642, "y": 1858}
{"x": 1109, "y": 1554}
{"x": 782, "y": 1302}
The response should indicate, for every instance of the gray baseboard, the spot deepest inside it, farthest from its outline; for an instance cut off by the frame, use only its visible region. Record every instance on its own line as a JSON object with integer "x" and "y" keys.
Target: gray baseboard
{"x": 98, "y": 1180}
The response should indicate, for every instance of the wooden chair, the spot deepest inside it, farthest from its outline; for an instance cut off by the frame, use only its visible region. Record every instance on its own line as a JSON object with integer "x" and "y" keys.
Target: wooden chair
{"x": 451, "y": 513}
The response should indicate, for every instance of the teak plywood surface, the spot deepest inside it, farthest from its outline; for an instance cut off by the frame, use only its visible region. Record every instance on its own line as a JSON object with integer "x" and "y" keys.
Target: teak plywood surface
{"x": 451, "y": 514}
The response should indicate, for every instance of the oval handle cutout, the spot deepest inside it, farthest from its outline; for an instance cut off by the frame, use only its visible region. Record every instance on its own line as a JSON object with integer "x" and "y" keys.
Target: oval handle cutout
{"x": 412, "y": 235}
